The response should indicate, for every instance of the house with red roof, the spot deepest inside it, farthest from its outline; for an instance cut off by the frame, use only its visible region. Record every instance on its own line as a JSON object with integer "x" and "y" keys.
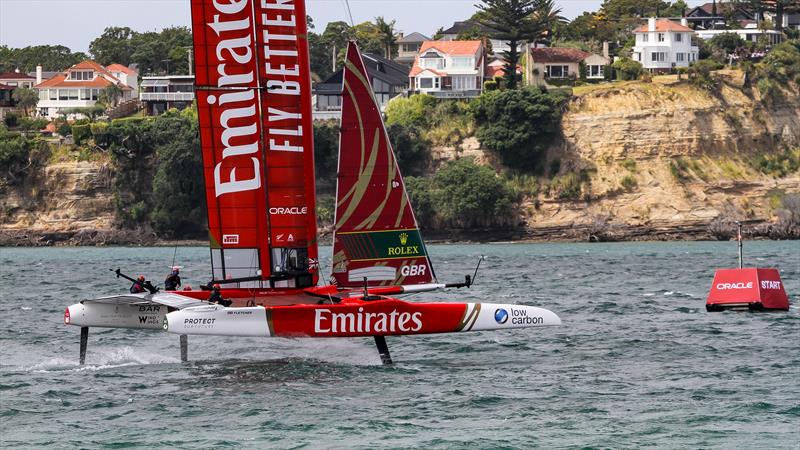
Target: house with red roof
{"x": 561, "y": 63}
{"x": 663, "y": 45}
{"x": 81, "y": 86}
{"x": 17, "y": 79}
{"x": 449, "y": 69}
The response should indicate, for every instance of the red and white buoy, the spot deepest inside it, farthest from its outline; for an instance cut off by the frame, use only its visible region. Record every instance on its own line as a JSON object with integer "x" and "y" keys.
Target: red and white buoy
{"x": 747, "y": 288}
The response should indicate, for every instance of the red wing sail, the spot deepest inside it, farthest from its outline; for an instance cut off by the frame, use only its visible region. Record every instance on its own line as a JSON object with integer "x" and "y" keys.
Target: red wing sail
{"x": 376, "y": 234}
{"x": 254, "y": 107}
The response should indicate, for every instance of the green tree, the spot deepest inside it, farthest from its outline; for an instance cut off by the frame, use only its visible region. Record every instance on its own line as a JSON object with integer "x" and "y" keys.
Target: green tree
{"x": 110, "y": 95}
{"x": 26, "y": 98}
{"x": 326, "y": 154}
{"x": 413, "y": 111}
{"x": 178, "y": 189}
{"x": 627, "y": 69}
{"x": 518, "y": 125}
{"x": 50, "y": 57}
{"x": 410, "y": 148}
{"x": 115, "y": 45}
{"x": 468, "y": 196}
{"x": 512, "y": 21}
{"x": 387, "y": 36}
{"x": 726, "y": 43}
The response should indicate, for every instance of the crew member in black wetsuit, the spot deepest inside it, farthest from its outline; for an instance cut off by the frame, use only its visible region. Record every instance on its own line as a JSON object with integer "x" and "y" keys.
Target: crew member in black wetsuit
{"x": 138, "y": 286}
{"x": 216, "y": 297}
{"x": 173, "y": 281}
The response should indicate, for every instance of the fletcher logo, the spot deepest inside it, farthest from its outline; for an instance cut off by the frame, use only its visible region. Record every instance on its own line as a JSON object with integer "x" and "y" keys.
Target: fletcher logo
{"x": 291, "y": 211}
{"x": 740, "y": 285}
{"x": 327, "y": 321}
{"x": 766, "y": 284}
{"x": 230, "y": 239}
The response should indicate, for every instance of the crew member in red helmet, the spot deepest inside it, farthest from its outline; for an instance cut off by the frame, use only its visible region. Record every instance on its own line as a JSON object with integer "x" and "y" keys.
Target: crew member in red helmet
{"x": 138, "y": 286}
{"x": 216, "y": 297}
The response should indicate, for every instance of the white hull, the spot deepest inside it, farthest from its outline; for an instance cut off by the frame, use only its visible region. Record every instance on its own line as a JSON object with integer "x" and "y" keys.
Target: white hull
{"x": 145, "y": 316}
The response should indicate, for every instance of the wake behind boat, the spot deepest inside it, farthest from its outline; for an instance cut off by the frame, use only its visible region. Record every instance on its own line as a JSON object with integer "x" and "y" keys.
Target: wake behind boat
{"x": 254, "y": 108}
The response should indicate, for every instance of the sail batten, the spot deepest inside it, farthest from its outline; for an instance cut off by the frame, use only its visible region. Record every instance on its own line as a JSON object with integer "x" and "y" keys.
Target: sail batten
{"x": 376, "y": 236}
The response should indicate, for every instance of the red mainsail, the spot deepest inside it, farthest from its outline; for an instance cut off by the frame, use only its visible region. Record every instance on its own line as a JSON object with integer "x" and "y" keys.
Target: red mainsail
{"x": 376, "y": 235}
{"x": 254, "y": 106}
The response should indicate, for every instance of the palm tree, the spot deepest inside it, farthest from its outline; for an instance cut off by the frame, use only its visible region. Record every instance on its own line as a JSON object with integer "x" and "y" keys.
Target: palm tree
{"x": 386, "y": 35}
{"x": 110, "y": 95}
{"x": 550, "y": 16}
{"x": 514, "y": 21}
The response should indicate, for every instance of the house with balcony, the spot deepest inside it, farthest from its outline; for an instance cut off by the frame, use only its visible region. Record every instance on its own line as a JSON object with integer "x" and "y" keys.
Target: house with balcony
{"x": 77, "y": 87}
{"x": 749, "y": 33}
{"x": 498, "y": 47}
{"x": 663, "y": 45}
{"x": 388, "y": 78}
{"x": 449, "y": 69}
{"x": 161, "y": 93}
{"x": 555, "y": 64}
{"x": 408, "y": 46}
{"x": 711, "y": 15}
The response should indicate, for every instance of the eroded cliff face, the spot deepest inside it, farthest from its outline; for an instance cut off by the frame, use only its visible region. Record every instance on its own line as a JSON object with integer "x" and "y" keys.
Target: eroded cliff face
{"x": 672, "y": 155}
{"x": 58, "y": 201}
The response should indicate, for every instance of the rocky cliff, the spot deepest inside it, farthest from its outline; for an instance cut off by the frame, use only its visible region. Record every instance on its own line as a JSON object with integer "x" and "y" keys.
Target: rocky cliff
{"x": 671, "y": 156}
{"x": 652, "y": 160}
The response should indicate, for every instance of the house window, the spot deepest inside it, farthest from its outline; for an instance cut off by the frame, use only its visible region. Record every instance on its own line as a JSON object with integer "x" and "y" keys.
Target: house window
{"x": 63, "y": 94}
{"x": 53, "y": 94}
{"x": 462, "y": 62}
{"x": 679, "y": 57}
{"x": 660, "y": 37}
{"x": 658, "y": 56}
{"x": 425, "y": 83}
{"x": 433, "y": 63}
{"x": 557, "y": 71}
{"x": 43, "y": 95}
{"x": 595, "y": 71}
{"x": 678, "y": 37}
{"x": 11, "y": 83}
{"x": 645, "y": 37}
{"x": 95, "y": 93}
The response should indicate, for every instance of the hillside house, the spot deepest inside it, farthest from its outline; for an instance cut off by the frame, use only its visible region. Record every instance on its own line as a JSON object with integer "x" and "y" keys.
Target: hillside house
{"x": 663, "y": 45}
{"x": 751, "y": 33}
{"x": 17, "y": 79}
{"x": 161, "y": 93}
{"x": 556, "y": 63}
{"x": 449, "y": 69}
{"x": 80, "y": 86}
{"x": 498, "y": 47}
{"x": 408, "y": 46}
{"x": 388, "y": 78}
{"x": 704, "y": 17}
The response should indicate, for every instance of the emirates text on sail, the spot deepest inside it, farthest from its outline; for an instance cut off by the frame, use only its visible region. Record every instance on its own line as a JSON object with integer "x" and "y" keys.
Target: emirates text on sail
{"x": 281, "y": 71}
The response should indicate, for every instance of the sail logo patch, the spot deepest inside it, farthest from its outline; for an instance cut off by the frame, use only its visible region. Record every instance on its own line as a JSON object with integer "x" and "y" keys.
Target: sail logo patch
{"x": 376, "y": 245}
{"x": 230, "y": 239}
{"x": 291, "y": 211}
{"x": 412, "y": 271}
{"x": 501, "y": 316}
{"x": 327, "y": 321}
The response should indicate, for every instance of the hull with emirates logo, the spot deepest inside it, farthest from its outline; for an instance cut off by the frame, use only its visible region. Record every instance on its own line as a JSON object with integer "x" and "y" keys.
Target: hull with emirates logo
{"x": 386, "y": 317}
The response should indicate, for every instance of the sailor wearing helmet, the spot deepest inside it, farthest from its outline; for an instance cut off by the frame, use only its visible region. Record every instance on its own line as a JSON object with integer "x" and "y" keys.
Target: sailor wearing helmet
{"x": 138, "y": 286}
{"x": 173, "y": 281}
{"x": 216, "y": 297}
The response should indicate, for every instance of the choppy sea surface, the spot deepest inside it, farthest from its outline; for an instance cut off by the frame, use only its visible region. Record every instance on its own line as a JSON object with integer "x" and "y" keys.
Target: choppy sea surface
{"x": 637, "y": 362}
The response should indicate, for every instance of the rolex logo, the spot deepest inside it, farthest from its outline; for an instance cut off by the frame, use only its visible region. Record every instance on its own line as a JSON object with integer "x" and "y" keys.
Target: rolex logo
{"x": 403, "y": 238}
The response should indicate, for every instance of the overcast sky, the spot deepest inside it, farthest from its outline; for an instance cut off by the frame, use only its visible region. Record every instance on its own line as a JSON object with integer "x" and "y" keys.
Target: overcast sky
{"x": 75, "y": 23}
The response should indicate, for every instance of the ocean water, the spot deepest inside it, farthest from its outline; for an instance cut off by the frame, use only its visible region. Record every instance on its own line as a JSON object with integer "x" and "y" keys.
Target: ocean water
{"x": 637, "y": 362}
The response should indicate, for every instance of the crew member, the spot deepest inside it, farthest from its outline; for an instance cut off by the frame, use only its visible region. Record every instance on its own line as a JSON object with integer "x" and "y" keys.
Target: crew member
{"x": 138, "y": 286}
{"x": 173, "y": 281}
{"x": 216, "y": 297}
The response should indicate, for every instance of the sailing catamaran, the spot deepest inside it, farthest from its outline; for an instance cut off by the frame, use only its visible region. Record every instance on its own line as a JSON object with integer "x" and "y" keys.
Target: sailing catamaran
{"x": 254, "y": 106}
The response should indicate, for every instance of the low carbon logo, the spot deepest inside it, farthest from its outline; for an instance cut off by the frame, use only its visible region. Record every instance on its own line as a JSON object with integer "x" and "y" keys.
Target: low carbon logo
{"x": 501, "y": 316}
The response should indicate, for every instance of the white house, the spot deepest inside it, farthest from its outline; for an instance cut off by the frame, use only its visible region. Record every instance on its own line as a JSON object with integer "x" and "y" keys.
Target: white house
{"x": 662, "y": 45}
{"x": 454, "y": 69}
{"x": 750, "y": 33}
{"x": 129, "y": 77}
{"x": 79, "y": 86}
{"x": 451, "y": 34}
